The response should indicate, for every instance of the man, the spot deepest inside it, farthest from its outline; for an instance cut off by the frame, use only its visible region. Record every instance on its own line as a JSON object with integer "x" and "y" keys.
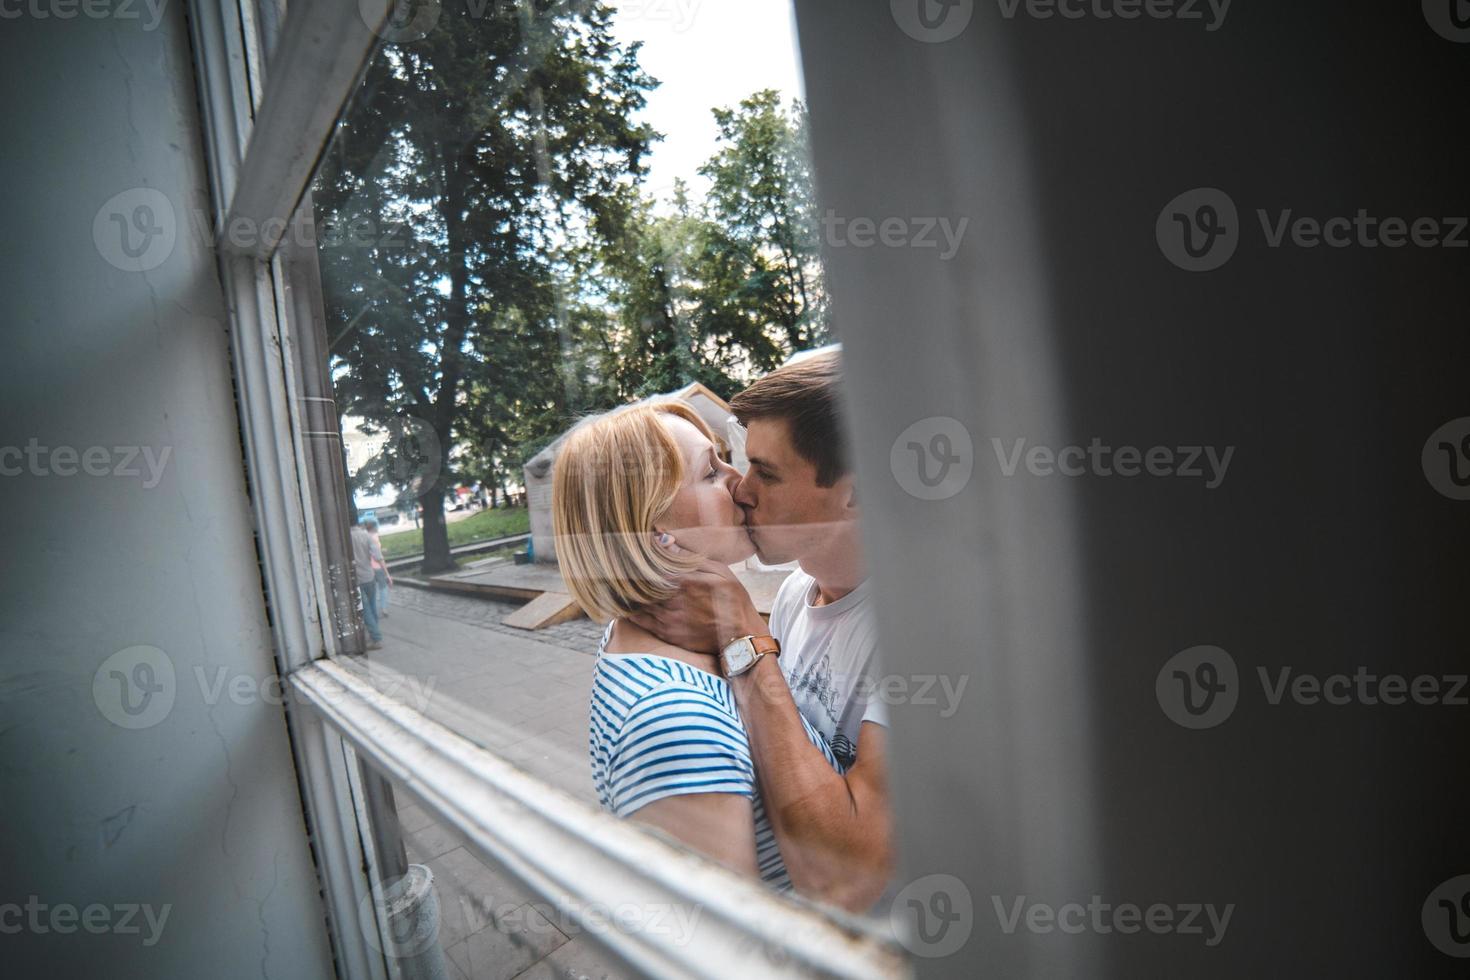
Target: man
{"x": 362, "y": 565}
{"x": 382, "y": 579}
{"x": 833, "y": 828}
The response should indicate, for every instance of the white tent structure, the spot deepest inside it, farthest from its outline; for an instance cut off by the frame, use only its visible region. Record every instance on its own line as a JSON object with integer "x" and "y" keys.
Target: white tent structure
{"x": 710, "y": 406}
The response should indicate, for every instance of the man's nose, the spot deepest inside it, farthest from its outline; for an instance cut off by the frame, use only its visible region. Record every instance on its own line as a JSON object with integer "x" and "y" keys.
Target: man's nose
{"x": 740, "y": 490}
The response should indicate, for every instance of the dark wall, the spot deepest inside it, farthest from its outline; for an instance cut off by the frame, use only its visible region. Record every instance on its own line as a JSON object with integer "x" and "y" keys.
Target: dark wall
{"x": 1325, "y": 547}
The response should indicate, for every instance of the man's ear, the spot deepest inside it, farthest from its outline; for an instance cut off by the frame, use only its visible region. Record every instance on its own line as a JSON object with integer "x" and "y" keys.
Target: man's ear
{"x": 849, "y": 488}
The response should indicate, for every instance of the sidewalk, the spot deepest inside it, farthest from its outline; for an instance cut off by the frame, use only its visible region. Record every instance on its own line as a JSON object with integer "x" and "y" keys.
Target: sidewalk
{"x": 526, "y": 700}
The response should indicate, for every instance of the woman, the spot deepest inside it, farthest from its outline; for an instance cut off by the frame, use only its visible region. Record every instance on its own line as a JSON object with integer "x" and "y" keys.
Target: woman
{"x": 667, "y": 744}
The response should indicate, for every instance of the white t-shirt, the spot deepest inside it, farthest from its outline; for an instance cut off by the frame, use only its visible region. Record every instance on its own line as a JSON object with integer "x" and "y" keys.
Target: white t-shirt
{"x": 829, "y": 655}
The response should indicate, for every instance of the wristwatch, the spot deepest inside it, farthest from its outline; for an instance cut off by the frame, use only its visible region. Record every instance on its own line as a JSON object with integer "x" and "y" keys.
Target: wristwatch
{"x": 742, "y": 653}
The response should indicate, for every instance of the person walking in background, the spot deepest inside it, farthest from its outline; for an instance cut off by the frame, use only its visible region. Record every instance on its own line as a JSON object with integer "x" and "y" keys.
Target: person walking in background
{"x": 381, "y": 577}
{"x": 362, "y": 565}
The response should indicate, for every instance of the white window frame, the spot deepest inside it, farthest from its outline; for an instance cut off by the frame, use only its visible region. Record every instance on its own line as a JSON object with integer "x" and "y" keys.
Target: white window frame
{"x": 262, "y": 142}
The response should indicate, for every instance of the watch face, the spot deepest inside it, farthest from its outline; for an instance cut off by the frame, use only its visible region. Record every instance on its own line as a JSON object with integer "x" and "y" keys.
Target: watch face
{"x": 739, "y": 656}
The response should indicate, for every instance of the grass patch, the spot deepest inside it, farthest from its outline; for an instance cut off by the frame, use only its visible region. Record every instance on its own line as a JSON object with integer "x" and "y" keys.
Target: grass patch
{"x": 487, "y": 524}
{"x": 464, "y": 561}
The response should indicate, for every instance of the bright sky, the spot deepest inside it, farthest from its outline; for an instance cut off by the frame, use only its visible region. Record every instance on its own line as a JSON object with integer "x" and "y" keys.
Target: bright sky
{"x": 707, "y": 53}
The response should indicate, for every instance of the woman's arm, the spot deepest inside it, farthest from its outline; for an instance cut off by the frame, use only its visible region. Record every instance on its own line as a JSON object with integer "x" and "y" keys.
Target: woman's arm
{"x": 718, "y": 825}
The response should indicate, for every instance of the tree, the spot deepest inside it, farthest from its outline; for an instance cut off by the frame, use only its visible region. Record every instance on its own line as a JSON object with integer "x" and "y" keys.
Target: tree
{"x": 762, "y": 293}
{"x": 494, "y": 138}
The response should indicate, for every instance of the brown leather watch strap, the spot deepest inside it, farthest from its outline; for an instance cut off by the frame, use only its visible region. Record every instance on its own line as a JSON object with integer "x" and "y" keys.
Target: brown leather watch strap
{"x": 766, "y": 644}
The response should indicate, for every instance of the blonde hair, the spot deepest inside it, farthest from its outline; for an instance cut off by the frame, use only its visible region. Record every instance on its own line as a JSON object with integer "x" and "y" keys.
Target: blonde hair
{"x": 616, "y": 474}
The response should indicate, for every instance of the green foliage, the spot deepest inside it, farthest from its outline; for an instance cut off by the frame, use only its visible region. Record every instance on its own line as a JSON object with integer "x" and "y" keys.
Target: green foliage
{"x": 763, "y": 287}
{"x": 488, "y": 139}
{"x": 492, "y": 268}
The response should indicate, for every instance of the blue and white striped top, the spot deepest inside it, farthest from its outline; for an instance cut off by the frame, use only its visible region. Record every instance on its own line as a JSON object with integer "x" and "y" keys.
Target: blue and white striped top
{"x": 661, "y": 728}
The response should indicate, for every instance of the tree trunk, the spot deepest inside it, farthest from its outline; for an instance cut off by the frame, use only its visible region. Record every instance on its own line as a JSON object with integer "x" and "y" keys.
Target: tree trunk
{"x": 436, "y": 535}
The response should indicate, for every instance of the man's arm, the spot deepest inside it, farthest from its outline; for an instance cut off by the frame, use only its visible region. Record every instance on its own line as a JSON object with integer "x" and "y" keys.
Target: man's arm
{"x": 834, "y": 830}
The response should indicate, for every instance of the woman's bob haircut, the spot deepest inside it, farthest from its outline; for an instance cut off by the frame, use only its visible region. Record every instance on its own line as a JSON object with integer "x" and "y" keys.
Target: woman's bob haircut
{"x": 617, "y": 474}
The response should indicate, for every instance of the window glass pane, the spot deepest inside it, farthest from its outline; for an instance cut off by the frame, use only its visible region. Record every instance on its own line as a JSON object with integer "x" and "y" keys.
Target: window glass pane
{"x": 532, "y": 214}
{"x": 438, "y": 904}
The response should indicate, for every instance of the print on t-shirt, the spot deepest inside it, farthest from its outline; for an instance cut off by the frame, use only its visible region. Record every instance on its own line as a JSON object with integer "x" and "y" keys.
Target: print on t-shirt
{"x": 815, "y": 687}
{"x": 830, "y": 659}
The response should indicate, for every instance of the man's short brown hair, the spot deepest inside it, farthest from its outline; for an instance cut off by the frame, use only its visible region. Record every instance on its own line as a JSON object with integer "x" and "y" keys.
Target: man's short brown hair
{"x": 804, "y": 394}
